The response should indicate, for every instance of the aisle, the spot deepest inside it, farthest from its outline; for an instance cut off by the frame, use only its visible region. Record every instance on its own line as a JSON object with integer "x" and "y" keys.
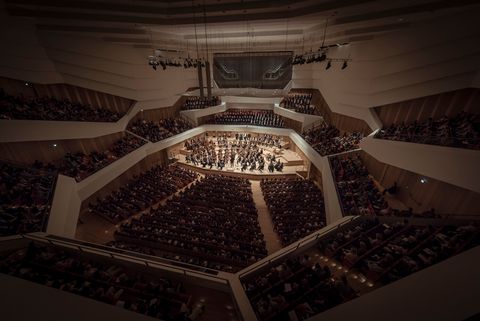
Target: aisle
{"x": 264, "y": 219}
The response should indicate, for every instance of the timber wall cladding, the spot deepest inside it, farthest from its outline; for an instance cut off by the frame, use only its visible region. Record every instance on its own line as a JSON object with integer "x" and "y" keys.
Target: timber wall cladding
{"x": 28, "y": 152}
{"x": 434, "y": 106}
{"x": 445, "y": 198}
{"x": 64, "y": 91}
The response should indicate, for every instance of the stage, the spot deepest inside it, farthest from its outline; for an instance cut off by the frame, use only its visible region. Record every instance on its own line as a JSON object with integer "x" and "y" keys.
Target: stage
{"x": 292, "y": 164}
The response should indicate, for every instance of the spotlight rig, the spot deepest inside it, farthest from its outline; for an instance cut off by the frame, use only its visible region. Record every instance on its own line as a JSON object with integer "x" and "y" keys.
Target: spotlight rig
{"x": 158, "y": 59}
{"x": 319, "y": 56}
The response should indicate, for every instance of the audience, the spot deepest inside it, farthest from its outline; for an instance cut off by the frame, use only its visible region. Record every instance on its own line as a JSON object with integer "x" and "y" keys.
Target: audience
{"x": 327, "y": 140}
{"x": 159, "y": 130}
{"x": 200, "y": 102}
{"x": 356, "y": 189}
{"x": 444, "y": 242}
{"x": 245, "y": 151}
{"x": 248, "y": 117}
{"x": 365, "y": 249}
{"x": 214, "y": 221}
{"x": 25, "y": 198}
{"x": 301, "y": 103}
{"x": 80, "y": 165}
{"x": 142, "y": 192}
{"x": 296, "y": 207}
{"x": 100, "y": 280}
{"x": 387, "y": 252}
{"x": 49, "y": 108}
{"x": 298, "y": 287}
{"x": 462, "y": 130}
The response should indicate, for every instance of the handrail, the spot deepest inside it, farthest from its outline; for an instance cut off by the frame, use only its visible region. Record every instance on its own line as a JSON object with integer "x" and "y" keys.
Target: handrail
{"x": 381, "y": 133}
{"x": 144, "y": 259}
{"x": 296, "y": 245}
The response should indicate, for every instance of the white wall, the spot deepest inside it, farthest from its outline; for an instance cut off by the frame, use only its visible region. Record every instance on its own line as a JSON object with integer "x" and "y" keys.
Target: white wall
{"x": 65, "y": 208}
{"x": 426, "y": 59}
{"x": 305, "y": 119}
{"x": 22, "y": 55}
{"x": 37, "y": 56}
{"x": 194, "y": 114}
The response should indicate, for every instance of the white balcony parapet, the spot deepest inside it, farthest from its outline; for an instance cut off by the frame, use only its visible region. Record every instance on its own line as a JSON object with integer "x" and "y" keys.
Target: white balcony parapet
{"x": 69, "y": 194}
{"x": 194, "y": 114}
{"x": 305, "y": 119}
{"x": 456, "y": 166}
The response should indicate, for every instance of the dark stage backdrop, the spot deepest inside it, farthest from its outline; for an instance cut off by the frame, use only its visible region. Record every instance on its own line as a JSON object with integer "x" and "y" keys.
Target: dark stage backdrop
{"x": 264, "y": 70}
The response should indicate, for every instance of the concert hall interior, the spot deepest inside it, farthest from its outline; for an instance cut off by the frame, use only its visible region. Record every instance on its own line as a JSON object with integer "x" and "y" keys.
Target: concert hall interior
{"x": 254, "y": 160}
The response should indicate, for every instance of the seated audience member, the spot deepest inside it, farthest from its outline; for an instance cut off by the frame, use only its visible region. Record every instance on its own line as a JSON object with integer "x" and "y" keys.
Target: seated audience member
{"x": 213, "y": 221}
{"x": 248, "y": 117}
{"x": 461, "y": 130}
{"x": 200, "y": 102}
{"x": 295, "y": 286}
{"x": 304, "y": 286}
{"x": 49, "y": 108}
{"x": 327, "y": 140}
{"x": 25, "y": 198}
{"x": 159, "y": 130}
{"x": 356, "y": 189}
{"x": 80, "y": 165}
{"x": 102, "y": 280}
{"x": 301, "y": 103}
{"x": 296, "y": 207}
{"x": 142, "y": 192}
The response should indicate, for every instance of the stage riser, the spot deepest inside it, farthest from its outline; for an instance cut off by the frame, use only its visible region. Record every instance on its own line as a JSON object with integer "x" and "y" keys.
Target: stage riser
{"x": 245, "y": 174}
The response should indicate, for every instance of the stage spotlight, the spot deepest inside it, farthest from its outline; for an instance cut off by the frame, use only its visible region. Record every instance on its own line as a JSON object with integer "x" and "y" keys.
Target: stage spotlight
{"x": 345, "y": 65}
{"x": 329, "y": 64}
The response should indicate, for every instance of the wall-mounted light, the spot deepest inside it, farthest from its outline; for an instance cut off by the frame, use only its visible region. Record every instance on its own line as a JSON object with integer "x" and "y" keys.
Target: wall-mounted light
{"x": 423, "y": 180}
{"x": 54, "y": 145}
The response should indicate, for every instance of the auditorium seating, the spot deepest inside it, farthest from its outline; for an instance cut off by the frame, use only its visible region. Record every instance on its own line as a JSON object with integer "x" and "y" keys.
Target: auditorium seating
{"x": 356, "y": 189}
{"x": 300, "y": 103}
{"x": 49, "y": 108}
{"x": 213, "y": 221}
{"x": 385, "y": 252}
{"x": 296, "y": 207}
{"x": 327, "y": 140}
{"x": 80, "y": 165}
{"x": 156, "y": 131}
{"x": 462, "y": 130}
{"x": 200, "y": 102}
{"x": 296, "y": 286}
{"x": 25, "y": 198}
{"x": 248, "y": 117}
{"x": 102, "y": 280}
{"x": 351, "y": 261}
{"x": 142, "y": 192}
